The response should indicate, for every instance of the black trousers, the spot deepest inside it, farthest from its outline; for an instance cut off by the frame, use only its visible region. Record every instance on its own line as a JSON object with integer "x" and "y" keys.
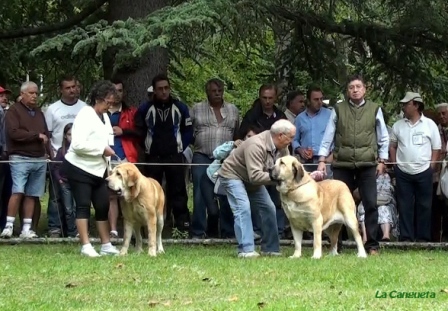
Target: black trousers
{"x": 414, "y": 200}
{"x": 176, "y": 196}
{"x": 439, "y": 216}
{"x": 5, "y": 192}
{"x": 87, "y": 190}
{"x": 365, "y": 180}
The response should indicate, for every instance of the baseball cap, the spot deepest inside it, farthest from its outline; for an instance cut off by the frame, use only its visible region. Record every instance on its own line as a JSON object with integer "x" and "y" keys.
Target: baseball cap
{"x": 411, "y": 96}
{"x": 150, "y": 89}
{"x": 3, "y": 90}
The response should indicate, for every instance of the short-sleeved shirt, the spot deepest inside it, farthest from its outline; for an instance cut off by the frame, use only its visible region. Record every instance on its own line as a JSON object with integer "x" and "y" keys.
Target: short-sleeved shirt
{"x": 415, "y": 143}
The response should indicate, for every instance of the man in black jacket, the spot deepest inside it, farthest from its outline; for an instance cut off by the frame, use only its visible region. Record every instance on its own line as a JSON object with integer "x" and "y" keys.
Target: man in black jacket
{"x": 164, "y": 125}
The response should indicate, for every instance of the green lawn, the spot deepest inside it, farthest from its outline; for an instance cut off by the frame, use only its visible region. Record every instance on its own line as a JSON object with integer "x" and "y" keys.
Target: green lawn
{"x": 56, "y": 277}
{"x": 197, "y": 277}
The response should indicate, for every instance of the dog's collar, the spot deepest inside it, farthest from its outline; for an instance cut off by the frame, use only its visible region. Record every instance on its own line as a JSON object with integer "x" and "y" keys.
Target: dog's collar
{"x": 300, "y": 185}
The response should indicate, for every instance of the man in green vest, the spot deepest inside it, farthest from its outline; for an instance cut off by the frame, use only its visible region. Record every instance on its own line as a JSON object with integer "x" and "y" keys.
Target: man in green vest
{"x": 361, "y": 143}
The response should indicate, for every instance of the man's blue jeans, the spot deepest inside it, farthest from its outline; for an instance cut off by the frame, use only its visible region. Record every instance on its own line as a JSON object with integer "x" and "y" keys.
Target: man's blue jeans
{"x": 240, "y": 201}
{"x": 199, "y": 217}
{"x": 55, "y": 210}
{"x": 69, "y": 209}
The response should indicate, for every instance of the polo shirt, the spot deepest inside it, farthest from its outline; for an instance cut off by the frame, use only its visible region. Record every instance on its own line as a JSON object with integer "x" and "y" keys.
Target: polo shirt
{"x": 415, "y": 143}
{"x": 114, "y": 117}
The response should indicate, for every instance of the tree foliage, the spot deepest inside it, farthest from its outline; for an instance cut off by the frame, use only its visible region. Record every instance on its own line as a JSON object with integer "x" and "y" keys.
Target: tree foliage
{"x": 397, "y": 45}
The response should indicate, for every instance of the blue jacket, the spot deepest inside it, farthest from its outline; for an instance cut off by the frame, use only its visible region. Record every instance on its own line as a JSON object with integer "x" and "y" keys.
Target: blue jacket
{"x": 145, "y": 121}
{"x": 220, "y": 154}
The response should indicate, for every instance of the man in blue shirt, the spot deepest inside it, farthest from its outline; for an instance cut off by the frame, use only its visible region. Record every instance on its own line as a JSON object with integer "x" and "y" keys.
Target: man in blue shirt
{"x": 310, "y": 126}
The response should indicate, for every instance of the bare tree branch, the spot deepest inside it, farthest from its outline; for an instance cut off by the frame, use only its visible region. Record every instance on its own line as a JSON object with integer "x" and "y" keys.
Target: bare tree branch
{"x": 91, "y": 8}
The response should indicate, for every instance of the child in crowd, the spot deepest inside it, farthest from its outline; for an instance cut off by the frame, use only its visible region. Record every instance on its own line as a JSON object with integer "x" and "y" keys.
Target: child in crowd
{"x": 64, "y": 188}
{"x": 387, "y": 210}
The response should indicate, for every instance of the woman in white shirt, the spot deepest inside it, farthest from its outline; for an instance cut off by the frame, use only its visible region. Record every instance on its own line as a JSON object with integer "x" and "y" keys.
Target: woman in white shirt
{"x": 86, "y": 164}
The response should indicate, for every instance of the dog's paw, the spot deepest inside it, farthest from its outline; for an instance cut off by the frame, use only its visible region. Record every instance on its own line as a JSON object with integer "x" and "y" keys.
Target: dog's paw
{"x": 296, "y": 255}
{"x": 139, "y": 250}
{"x": 152, "y": 253}
{"x": 317, "y": 256}
{"x": 160, "y": 251}
{"x": 123, "y": 253}
{"x": 362, "y": 255}
{"x": 334, "y": 252}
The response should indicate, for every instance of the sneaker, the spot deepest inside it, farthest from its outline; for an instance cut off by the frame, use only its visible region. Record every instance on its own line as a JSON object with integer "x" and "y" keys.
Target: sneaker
{"x": 113, "y": 234}
{"x": 54, "y": 234}
{"x": 30, "y": 234}
{"x": 248, "y": 255}
{"x": 6, "y": 233}
{"x": 271, "y": 254}
{"x": 109, "y": 250}
{"x": 183, "y": 226}
{"x": 257, "y": 237}
{"x": 89, "y": 251}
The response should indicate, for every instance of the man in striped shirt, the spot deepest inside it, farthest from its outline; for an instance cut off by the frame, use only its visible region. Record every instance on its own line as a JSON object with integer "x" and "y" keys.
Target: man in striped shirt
{"x": 214, "y": 122}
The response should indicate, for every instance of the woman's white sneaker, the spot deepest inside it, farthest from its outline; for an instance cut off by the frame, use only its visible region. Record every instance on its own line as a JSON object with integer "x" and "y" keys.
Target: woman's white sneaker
{"x": 109, "y": 249}
{"x": 89, "y": 251}
{"x": 6, "y": 233}
{"x": 30, "y": 234}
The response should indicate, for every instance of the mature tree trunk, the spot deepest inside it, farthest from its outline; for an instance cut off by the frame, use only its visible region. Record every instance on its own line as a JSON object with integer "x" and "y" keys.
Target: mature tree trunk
{"x": 136, "y": 77}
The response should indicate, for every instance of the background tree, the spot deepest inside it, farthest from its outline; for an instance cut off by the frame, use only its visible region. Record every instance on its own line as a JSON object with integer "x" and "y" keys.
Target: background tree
{"x": 398, "y": 45}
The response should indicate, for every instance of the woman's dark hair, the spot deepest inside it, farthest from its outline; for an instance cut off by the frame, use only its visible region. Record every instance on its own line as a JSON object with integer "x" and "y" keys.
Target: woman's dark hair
{"x": 100, "y": 91}
{"x": 291, "y": 96}
{"x": 253, "y": 128}
{"x": 65, "y": 142}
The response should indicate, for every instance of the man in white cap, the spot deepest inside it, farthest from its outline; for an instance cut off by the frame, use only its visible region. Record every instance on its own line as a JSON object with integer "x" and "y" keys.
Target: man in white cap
{"x": 414, "y": 145}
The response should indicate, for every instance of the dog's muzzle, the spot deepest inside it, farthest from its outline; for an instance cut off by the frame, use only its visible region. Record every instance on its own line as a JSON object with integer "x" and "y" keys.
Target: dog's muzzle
{"x": 273, "y": 176}
{"x": 116, "y": 192}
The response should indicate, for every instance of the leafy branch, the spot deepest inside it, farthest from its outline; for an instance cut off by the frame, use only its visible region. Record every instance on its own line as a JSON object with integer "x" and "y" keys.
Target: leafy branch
{"x": 90, "y": 9}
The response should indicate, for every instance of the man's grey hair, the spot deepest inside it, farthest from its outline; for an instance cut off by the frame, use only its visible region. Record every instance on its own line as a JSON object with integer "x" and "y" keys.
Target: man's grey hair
{"x": 26, "y": 85}
{"x": 442, "y": 105}
{"x": 282, "y": 127}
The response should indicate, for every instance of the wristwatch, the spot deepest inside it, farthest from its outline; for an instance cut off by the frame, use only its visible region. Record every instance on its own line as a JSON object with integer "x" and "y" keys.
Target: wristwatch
{"x": 381, "y": 161}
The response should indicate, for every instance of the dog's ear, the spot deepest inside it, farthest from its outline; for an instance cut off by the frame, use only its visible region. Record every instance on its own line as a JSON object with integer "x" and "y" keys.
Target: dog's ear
{"x": 297, "y": 170}
{"x": 131, "y": 178}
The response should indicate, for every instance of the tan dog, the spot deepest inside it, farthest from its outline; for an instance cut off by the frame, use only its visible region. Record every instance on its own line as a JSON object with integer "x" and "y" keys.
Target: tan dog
{"x": 317, "y": 206}
{"x": 142, "y": 203}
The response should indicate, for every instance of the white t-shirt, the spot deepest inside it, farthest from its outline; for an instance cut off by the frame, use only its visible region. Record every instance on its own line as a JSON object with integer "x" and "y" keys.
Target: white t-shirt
{"x": 90, "y": 136}
{"x": 415, "y": 143}
{"x": 57, "y": 116}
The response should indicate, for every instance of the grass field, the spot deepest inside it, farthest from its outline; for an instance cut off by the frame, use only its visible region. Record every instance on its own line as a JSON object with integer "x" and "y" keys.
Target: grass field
{"x": 56, "y": 277}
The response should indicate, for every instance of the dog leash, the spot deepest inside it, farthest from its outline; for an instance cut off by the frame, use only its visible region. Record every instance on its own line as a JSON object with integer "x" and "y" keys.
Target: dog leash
{"x": 109, "y": 163}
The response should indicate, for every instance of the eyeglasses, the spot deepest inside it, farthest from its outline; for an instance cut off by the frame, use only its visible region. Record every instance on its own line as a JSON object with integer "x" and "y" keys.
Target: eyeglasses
{"x": 288, "y": 136}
